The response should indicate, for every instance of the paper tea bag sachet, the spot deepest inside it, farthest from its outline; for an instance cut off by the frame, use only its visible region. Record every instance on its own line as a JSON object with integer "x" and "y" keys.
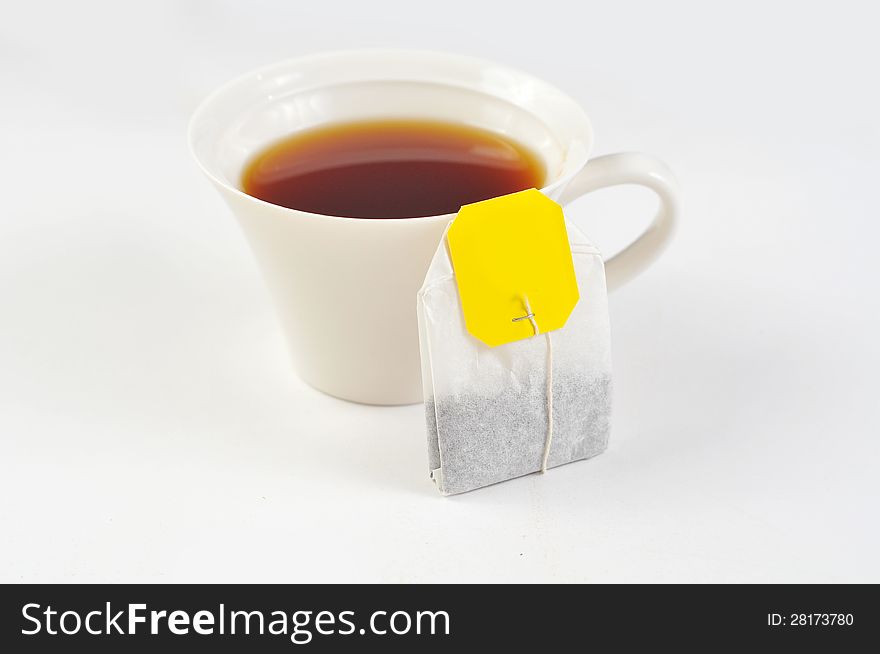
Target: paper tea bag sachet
{"x": 515, "y": 344}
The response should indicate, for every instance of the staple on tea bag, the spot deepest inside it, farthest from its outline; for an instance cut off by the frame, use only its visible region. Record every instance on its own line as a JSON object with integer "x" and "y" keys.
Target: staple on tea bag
{"x": 495, "y": 413}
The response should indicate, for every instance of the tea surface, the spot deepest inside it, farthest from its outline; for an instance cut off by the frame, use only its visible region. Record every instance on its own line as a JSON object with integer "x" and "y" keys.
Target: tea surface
{"x": 390, "y": 169}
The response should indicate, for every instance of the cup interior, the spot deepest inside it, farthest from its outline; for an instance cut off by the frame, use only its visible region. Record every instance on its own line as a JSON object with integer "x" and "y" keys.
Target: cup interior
{"x": 244, "y": 116}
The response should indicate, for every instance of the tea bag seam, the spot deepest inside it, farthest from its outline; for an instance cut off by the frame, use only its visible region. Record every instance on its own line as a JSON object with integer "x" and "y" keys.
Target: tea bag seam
{"x": 436, "y": 474}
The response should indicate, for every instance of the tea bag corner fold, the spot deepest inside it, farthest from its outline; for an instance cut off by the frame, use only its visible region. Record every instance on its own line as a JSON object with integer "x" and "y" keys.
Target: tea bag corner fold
{"x": 496, "y": 412}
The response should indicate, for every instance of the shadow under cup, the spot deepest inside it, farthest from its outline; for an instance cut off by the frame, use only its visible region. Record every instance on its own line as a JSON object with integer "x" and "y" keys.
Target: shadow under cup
{"x": 345, "y": 289}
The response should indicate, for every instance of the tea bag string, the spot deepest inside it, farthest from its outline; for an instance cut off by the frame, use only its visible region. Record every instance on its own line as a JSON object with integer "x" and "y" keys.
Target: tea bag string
{"x": 530, "y": 315}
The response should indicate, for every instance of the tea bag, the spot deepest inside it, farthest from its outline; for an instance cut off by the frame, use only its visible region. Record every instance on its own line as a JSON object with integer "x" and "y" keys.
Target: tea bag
{"x": 542, "y": 398}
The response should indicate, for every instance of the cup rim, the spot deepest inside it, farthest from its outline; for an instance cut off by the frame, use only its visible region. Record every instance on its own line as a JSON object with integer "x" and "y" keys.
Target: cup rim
{"x": 204, "y": 105}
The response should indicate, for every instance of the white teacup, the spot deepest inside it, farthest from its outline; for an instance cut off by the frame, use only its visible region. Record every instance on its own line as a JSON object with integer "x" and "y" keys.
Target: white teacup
{"x": 345, "y": 289}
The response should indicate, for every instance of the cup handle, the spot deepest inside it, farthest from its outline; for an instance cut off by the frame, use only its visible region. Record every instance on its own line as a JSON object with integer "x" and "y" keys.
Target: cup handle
{"x": 631, "y": 168}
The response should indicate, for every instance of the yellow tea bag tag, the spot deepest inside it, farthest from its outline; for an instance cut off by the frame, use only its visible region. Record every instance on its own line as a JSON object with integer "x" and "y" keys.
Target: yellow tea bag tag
{"x": 513, "y": 267}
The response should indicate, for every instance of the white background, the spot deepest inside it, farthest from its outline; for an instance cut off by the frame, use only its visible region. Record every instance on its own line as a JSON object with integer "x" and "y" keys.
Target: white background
{"x": 150, "y": 426}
